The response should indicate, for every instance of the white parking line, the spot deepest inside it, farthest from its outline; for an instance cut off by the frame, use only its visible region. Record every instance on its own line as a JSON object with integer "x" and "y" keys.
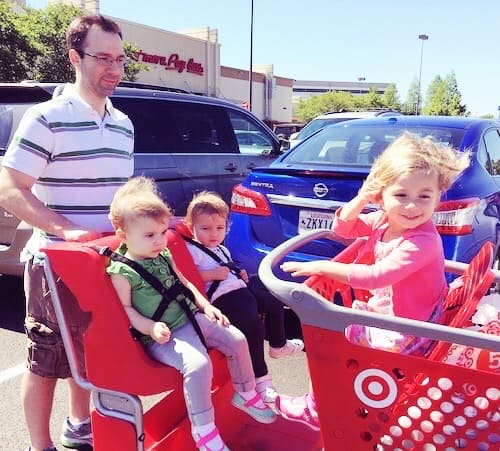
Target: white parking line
{"x": 12, "y": 372}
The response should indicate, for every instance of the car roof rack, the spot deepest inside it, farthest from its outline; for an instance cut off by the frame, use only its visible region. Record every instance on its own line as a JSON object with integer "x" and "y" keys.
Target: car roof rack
{"x": 133, "y": 84}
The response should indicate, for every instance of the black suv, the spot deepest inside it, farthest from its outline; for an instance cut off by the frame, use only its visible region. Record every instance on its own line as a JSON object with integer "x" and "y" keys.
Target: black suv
{"x": 187, "y": 143}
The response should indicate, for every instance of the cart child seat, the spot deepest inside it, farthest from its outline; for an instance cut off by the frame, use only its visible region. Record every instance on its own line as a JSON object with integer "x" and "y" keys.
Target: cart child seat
{"x": 372, "y": 399}
{"x": 118, "y": 371}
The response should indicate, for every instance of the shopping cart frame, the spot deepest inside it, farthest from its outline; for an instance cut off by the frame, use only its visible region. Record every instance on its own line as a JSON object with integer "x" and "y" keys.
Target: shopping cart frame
{"x": 335, "y": 366}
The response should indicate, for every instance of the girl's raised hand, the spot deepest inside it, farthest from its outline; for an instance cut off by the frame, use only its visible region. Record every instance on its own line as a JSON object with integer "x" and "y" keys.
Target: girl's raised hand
{"x": 370, "y": 190}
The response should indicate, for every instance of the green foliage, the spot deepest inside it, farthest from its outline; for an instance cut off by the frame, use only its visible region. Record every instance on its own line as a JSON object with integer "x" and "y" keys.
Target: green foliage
{"x": 390, "y": 99}
{"x": 33, "y": 45}
{"x": 46, "y": 29}
{"x": 134, "y": 66}
{"x": 16, "y": 51}
{"x": 334, "y": 101}
{"x": 409, "y": 106}
{"x": 443, "y": 97}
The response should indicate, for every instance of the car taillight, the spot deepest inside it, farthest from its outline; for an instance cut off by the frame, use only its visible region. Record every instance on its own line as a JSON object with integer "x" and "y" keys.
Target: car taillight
{"x": 455, "y": 217}
{"x": 244, "y": 200}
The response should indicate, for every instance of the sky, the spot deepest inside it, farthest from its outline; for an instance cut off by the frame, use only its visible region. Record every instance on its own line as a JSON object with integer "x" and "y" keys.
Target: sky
{"x": 341, "y": 40}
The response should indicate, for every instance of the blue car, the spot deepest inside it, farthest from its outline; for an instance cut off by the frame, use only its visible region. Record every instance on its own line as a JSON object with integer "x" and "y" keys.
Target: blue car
{"x": 301, "y": 190}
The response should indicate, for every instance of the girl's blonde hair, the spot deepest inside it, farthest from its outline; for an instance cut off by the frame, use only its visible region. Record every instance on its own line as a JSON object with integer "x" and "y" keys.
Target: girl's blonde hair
{"x": 206, "y": 202}
{"x": 138, "y": 198}
{"x": 410, "y": 153}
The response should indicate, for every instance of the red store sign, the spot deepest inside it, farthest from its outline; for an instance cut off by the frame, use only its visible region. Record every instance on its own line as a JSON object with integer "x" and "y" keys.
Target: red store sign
{"x": 173, "y": 62}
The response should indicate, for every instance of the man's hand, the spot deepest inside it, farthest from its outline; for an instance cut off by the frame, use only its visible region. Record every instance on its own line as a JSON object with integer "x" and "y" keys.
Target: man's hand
{"x": 80, "y": 235}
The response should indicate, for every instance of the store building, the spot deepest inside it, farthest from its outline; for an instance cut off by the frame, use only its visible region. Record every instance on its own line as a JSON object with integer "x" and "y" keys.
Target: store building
{"x": 190, "y": 60}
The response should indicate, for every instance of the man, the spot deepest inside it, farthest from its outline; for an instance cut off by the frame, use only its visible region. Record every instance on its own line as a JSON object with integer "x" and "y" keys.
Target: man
{"x": 59, "y": 174}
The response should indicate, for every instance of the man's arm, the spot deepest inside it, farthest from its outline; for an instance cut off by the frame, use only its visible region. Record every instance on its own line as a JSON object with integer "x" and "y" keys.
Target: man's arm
{"x": 16, "y": 197}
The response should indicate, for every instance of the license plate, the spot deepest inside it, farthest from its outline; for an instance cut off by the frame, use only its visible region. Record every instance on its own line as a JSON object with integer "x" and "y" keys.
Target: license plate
{"x": 312, "y": 220}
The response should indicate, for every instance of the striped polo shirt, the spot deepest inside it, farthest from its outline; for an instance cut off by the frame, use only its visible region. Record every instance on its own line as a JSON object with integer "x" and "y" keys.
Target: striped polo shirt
{"x": 77, "y": 158}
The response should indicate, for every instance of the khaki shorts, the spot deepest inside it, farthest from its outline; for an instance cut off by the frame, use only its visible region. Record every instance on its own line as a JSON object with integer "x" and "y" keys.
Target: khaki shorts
{"x": 46, "y": 353}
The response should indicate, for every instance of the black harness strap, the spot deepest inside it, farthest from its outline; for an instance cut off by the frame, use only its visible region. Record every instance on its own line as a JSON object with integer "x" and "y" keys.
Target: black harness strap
{"x": 229, "y": 263}
{"x": 168, "y": 294}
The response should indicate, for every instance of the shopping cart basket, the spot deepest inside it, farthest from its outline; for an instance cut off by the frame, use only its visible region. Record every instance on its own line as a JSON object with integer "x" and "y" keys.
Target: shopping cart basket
{"x": 121, "y": 376}
{"x": 371, "y": 399}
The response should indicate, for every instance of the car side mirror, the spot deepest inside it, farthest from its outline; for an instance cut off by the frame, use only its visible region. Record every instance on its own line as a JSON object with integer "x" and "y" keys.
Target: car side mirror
{"x": 284, "y": 145}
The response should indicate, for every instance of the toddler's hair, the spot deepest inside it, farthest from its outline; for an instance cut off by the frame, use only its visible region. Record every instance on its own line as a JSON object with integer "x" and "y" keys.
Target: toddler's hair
{"x": 206, "y": 202}
{"x": 410, "y": 153}
{"x": 137, "y": 198}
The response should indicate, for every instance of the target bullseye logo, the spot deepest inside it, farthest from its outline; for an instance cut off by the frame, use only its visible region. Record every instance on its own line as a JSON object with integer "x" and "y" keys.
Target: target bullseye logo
{"x": 375, "y": 388}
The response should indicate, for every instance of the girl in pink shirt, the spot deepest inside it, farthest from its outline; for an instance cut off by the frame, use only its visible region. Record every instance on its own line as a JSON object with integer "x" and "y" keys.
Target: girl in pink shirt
{"x": 403, "y": 254}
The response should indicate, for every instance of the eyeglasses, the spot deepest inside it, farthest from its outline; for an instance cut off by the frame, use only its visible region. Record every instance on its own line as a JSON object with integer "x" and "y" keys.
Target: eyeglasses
{"x": 106, "y": 61}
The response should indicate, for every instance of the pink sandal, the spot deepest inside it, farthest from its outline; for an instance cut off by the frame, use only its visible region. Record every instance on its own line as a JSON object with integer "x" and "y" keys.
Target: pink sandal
{"x": 297, "y": 409}
{"x": 201, "y": 442}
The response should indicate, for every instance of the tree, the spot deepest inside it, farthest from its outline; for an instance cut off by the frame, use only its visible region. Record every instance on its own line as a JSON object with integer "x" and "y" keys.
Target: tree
{"x": 33, "y": 45}
{"x": 373, "y": 98}
{"x": 46, "y": 29}
{"x": 431, "y": 92}
{"x": 330, "y": 101}
{"x": 390, "y": 99}
{"x": 16, "y": 52}
{"x": 436, "y": 105}
{"x": 454, "y": 97}
{"x": 443, "y": 97}
{"x": 134, "y": 66}
{"x": 410, "y": 105}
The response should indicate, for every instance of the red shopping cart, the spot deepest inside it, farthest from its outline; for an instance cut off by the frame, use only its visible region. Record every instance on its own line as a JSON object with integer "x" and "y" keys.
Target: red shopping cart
{"x": 371, "y": 399}
{"x": 120, "y": 374}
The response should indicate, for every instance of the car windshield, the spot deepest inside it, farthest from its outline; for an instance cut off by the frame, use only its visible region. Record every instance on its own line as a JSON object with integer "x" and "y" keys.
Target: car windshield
{"x": 6, "y": 120}
{"x": 313, "y": 126}
{"x": 360, "y": 145}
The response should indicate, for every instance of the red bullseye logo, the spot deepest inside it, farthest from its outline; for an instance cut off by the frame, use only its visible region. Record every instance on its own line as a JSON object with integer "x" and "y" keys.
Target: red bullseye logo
{"x": 375, "y": 388}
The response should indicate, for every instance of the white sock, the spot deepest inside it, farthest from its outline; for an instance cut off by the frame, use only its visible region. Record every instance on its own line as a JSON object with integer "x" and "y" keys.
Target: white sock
{"x": 77, "y": 424}
{"x": 263, "y": 382}
{"x": 204, "y": 429}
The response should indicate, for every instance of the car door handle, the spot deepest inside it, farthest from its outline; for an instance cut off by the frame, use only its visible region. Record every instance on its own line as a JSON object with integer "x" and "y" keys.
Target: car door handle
{"x": 230, "y": 167}
{"x": 251, "y": 165}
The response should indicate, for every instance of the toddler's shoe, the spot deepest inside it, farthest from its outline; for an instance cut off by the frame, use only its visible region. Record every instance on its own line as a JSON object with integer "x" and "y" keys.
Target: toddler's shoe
{"x": 254, "y": 407}
{"x": 297, "y": 409}
{"x": 291, "y": 347}
{"x": 203, "y": 442}
{"x": 265, "y": 388}
{"x": 75, "y": 437}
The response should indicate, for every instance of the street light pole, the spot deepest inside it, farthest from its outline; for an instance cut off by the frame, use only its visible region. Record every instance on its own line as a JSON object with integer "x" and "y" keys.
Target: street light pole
{"x": 250, "y": 81}
{"x": 360, "y": 79}
{"x": 422, "y": 37}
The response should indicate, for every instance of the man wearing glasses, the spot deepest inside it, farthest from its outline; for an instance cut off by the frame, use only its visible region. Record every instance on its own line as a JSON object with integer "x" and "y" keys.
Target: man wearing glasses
{"x": 59, "y": 174}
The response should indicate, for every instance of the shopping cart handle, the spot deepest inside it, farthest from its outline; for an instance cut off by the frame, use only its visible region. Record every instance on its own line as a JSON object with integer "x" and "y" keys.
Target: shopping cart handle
{"x": 314, "y": 310}
{"x": 273, "y": 258}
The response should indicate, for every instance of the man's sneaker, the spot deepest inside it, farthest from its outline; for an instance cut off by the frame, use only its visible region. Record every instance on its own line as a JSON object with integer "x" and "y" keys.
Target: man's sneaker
{"x": 291, "y": 347}
{"x": 74, "y": 437}
{"x": 45, "y": 449}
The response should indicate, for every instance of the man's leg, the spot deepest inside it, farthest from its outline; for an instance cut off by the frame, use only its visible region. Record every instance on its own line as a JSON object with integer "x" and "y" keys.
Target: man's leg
{"x": 79, "y": 402}
{"x": 37, "y": 394}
